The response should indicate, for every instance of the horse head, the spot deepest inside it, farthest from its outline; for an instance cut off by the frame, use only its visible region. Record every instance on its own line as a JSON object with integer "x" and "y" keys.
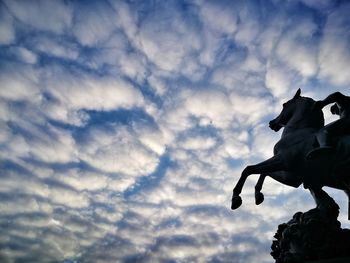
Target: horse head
{"x": 298, "y": 112}
{"x": 286, "y": 114}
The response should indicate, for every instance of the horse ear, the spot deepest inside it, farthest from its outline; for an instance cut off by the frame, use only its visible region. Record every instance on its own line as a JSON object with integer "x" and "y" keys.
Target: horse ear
{"x": 297, "y": 94}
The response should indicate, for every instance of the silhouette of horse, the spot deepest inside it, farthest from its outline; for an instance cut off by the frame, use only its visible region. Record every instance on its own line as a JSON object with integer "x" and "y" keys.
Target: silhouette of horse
{"x": 301, "y": 121}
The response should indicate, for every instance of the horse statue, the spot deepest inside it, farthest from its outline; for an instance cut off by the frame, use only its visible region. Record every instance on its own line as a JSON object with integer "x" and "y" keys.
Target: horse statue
{"x": 301, "y": 121}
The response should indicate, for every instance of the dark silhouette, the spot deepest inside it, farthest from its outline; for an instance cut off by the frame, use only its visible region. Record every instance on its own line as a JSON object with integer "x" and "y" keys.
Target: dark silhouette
{"x": 304, "y": 131}
{"x": 311, "y": 236}
{"x": 301, "y": 121}
{"x": 330, "y": 132}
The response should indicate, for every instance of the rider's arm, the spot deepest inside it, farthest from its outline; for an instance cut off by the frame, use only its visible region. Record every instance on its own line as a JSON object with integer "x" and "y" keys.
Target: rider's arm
{"x": 334, "y": 97}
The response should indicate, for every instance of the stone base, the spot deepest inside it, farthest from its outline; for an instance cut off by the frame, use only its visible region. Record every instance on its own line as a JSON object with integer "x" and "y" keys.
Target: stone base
{"x": 336, "y": 260}
{"x": 311, "y": 237}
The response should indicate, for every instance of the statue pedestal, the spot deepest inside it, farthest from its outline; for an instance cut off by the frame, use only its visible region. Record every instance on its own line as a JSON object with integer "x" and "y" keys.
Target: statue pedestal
{"x": 311, "y": 237}
{"x": 337, "y": 260}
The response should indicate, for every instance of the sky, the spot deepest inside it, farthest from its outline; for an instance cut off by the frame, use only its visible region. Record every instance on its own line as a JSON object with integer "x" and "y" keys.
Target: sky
{"x": 126, "y": 124}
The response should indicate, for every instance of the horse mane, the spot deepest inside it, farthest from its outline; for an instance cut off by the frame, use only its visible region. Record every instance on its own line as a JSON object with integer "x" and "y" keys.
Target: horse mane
{"x": 306, "y": 115}
{"x": 314, "y": 115}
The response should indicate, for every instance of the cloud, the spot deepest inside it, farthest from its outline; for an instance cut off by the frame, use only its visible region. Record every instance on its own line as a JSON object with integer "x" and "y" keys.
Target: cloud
{"x": 82, "y": 180}
{"x": 235, "y": 147}
{"x": 264, "y": 139}
{"x": 249, "y": 108}
{"x": 7, "y": 29}
{"x": 86, "y": 92}
{"x": 34, "y": 187}
{"x": 24, "y": 205}
{"x": 116, "y": 149}
{"x": 215, "y": 31}
{"x": 300, "y": 41}
{"x": 25, "y": 55}
{"x": 279, "y": 79}
{"x": 321, "y": 5}
{"x": 19, "y": 82}
{"x": 42, "y": 15}
{"x": 211, "y": 104}
{"x": 94, "y": 23}
{"x": 334, "y": 54}
{"x": 159, "y": 36}
{"x": 56, "y": 47}
{"x": 52, "y": 145}
{"x": 198, "y": 143}
{"x": 248, "y": 25}
{"x": 209, "y": 13}
{"x": 116, "y": 55}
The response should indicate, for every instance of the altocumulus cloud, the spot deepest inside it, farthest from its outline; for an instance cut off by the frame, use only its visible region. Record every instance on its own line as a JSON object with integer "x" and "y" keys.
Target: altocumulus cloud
{"x": 125, "y": 124}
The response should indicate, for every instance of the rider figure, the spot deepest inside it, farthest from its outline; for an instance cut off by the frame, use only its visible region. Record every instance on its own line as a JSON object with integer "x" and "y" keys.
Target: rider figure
{"x": 339, "y": 127}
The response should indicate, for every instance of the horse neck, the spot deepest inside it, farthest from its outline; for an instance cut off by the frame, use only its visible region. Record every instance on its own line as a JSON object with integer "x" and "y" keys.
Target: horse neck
{"x": 307, "y": 121}
{"x": 293, "y": 131}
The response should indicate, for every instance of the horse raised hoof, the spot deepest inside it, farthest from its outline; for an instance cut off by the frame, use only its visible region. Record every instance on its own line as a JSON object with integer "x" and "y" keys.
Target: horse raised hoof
{"x": 236, "y": 202}
{"x": 259, "y": 198}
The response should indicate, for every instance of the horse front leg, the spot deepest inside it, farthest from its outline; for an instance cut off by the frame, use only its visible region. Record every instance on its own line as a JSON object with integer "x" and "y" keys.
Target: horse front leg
{"x": 273, "y": 164}
{"x": 259, "y": 196}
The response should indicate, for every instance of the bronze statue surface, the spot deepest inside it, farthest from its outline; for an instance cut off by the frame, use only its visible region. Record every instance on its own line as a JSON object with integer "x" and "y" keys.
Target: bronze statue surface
{"x": 314, "y": 155}
{"x": 302, "y": 120}
{"x": 326, "y": 135}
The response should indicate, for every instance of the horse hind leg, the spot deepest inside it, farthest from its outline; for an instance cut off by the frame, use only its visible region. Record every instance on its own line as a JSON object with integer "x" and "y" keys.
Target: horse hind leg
{"x": 324, "y": 202}
{"x": 347, "y": 191}
{"x": 270, "y": 165}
